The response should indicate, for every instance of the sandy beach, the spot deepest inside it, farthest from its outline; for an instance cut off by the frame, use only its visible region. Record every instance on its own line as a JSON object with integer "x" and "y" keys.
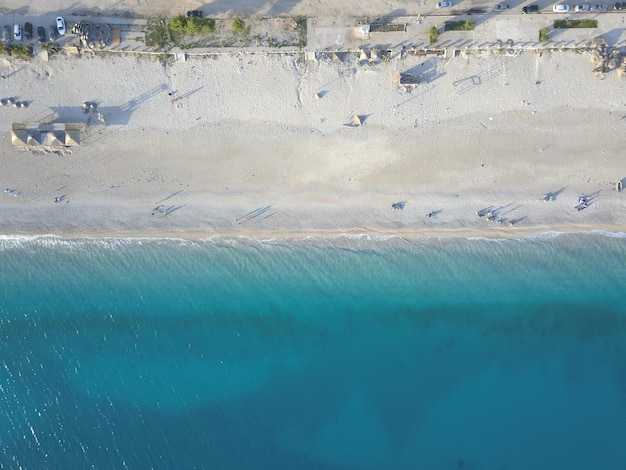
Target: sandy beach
{"x": 262, "y": 145}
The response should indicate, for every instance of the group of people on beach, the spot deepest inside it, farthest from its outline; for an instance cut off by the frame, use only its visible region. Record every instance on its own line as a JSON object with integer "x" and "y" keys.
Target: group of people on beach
{"x": 400, "y": 205}
{"x": 159, "y": 209}
{"x": 490, "y": 215}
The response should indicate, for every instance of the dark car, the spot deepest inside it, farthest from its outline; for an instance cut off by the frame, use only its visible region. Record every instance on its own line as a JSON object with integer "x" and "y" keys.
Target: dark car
{"x": 41, "y": 34}
{"x": 530, "y": 9}
{"x": 52, "y": 32}
{"x": 620, "y": 6}
{"x": 194, "y": 14}
{"x": 28, "y": 31}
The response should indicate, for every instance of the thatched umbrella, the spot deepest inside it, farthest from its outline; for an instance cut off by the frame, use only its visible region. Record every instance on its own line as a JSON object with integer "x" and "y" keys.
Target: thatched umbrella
{"x": 596, "y": 60}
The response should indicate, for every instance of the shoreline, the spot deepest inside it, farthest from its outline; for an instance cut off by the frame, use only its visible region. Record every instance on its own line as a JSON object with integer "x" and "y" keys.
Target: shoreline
{"x": 468, "y": 234}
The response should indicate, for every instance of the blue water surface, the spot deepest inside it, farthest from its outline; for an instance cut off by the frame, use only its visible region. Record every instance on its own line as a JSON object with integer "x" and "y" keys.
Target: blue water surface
{"x": 349, "y": 353}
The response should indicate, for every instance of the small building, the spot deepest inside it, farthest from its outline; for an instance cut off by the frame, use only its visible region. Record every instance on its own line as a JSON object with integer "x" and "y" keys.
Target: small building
{"x": 54, "y": 135}
{"x": 116, "y": 37}
{"x": 365, "y": 31}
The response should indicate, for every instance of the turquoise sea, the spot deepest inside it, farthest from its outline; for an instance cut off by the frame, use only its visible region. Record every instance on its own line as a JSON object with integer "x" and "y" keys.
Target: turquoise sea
{"x": 349, "y": 353}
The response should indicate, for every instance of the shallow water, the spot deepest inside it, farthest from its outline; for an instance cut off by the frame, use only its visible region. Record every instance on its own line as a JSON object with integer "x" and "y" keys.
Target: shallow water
{"x": 330, "y": 354}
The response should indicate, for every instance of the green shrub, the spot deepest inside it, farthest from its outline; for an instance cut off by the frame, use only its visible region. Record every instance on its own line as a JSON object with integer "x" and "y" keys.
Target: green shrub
{"x": 543, "y": 35}
{"x": 50, "y": 47}
{"x": 21, "y": 50}
{"x": 179, "y": 23}
{"x": 192, "y": 26}
{"x": 466, "y": 25}
{"x": 434, "y": 34}
{"x": 158, "y": 33}
{"x": 208, "y": 25}
{"x": 565, "y": 24}
{"x": 238, "y": 25}
{"x": 302, "y": 28}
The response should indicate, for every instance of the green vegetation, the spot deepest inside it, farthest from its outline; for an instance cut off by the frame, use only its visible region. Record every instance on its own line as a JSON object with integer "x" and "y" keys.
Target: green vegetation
{"x": 50, "y": 47}
{"x": 192, "y": 26}
{"x": 22, "y": 51}
{"x": 466, "y": 25}
{"x": 238, "y": 25}
{"x": 158, "y": 33}
{"x": 434, "y": 34}
{"x": 302, "y": 30}
{"x": 387, "y": 28}
{"x": 543, "y": 35}
{"x": 565, "y": 24}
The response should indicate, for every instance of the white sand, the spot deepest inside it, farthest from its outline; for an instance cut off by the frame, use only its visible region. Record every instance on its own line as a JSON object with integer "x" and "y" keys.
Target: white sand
{"x": 250, "y": 133}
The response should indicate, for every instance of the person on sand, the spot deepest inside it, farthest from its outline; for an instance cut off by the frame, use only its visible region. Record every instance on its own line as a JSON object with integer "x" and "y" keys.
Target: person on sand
{"x": 55, "y": 200}
{"x": 430, "y": 214}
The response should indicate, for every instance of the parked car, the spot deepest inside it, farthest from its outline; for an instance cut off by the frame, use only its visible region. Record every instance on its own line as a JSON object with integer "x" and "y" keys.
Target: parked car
{"x": 52, "y": 32}
{"x": 444, "y": 4}
{"x": 61, "y": 26}
{"x": 582, "y": 7}
{"x": 194, "y": 14}
{"x": 41, "y": 34}
{"x": 530, "y": 9}
{"x": 17, "y": 32}
{"x": 501, "y": 6}
{"x": 600, "y": 7}
{"x": 561, "y": 8}
{"x": 620, "y": 6}
{"x": 6, "y": 33}
{"x": 28, "y": 30}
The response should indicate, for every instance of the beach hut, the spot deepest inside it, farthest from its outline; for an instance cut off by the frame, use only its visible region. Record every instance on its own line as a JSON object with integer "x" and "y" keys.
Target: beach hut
{"x": 19, "y": 137}
{"x": 72, "y": 135}
{"x": 52, "y": 139}
{"x": 47, "y": 135}
{"x": 23, "y": 135}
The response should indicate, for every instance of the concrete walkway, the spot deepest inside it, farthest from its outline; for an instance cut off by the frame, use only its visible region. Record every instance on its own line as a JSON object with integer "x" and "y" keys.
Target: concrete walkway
{"x": 511, "y": 31}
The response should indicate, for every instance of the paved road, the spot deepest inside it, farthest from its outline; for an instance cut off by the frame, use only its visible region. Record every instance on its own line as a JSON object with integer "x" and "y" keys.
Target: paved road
{"x": 229, "y": 8}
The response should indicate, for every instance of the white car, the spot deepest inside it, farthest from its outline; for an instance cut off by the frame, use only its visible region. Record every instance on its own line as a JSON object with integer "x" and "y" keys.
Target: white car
{"x": 444, "y": 4}
{"x": 17, "y": 32}
{"x": 61, "y": 26}
{"x": 582, "y": 7}
{"x": 560, "y": 8}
